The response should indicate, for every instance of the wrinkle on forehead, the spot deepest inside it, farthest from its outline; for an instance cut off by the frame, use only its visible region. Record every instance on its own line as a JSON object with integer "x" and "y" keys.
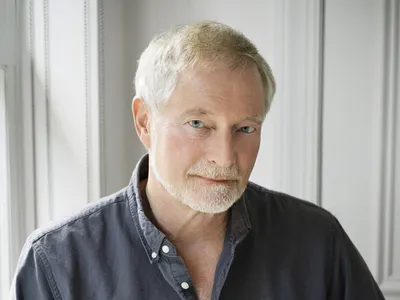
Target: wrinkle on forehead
{"x": 205, "y": 80}
{"x": 221, "y": 91}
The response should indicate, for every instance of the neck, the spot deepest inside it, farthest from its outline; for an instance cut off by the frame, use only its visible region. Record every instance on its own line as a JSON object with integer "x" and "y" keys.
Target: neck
{"x": 180, "y": 223}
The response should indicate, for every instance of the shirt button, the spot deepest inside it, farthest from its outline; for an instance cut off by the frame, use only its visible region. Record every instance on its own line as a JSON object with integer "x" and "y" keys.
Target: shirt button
{"x": 165, "y": 249}
{"x": 154, "y": 255}
{"x": 185, "y": 285}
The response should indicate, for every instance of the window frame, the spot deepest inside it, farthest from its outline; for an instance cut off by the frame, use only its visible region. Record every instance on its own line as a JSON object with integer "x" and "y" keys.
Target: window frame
{"x": 18, "y": 213}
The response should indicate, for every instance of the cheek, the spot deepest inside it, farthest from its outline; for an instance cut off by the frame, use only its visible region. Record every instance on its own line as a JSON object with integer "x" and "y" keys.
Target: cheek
{"x": 247, "y": 151}
{"x": 183, "y": 151}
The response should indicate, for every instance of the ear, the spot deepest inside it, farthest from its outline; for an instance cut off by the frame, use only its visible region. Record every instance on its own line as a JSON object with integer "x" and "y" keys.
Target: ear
{"x": 141, "y": 117}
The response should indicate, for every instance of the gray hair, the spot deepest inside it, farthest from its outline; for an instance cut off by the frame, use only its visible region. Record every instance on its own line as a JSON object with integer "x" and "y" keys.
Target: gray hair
{"x": 197, "y": 46}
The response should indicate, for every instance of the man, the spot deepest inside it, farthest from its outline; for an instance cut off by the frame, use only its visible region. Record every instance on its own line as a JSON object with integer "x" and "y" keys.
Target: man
{"x": 189, "y": 225}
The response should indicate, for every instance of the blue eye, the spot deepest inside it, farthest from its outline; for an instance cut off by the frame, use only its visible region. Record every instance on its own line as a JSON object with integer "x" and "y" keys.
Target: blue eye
{"x": 197, "y": 124}
{"x": 247, "y": 129}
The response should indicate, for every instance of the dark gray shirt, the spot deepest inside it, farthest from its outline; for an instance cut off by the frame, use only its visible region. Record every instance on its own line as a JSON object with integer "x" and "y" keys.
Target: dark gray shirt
{"x": 276, "y": 247}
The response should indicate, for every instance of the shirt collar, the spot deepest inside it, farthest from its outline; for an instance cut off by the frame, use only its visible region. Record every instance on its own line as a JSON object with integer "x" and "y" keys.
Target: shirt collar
{"x": 152, "y": 238}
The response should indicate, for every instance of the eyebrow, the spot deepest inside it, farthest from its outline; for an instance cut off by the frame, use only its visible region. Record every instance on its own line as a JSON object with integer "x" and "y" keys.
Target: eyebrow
{"x": 197, "y": 112}
{"x": 257, "y": 119}
{"x": 204, "y": 112}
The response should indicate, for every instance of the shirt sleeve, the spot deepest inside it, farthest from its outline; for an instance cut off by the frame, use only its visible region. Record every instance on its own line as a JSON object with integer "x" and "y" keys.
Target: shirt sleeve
{"x": 33, "y": 278}
{"x": 350, "y": 276}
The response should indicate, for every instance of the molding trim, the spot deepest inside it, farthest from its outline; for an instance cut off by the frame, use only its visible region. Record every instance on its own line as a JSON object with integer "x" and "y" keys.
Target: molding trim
{"x": 6, "y": 193}
{"x": 25, "y": 214}
{"x": 87, "y": 96}
{"x": 281, "y": 76}
{"x": 94, "y": 99}
{"x": 26, "y": 21}
{"x": 39, "y": 35}
{"x": 101, "y": 99}
{"x": 19, "y": 209}
{"x": 300, "y": 89}
{"x": 40, "y": 73}
{"x": 47, "y": 95}
{"x": 313, "y": 99}
{"x": 389, "y": 284}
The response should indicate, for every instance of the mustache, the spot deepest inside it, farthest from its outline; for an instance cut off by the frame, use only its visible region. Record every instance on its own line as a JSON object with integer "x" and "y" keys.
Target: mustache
{"x": 215, "y": 172}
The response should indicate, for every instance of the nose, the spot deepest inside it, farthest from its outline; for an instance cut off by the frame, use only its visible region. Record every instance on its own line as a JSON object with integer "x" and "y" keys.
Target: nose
{"x": 222, "y": 151}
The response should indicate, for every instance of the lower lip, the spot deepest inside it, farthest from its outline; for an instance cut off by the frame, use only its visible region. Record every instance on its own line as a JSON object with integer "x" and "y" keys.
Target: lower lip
{"x": 212, "y": 181}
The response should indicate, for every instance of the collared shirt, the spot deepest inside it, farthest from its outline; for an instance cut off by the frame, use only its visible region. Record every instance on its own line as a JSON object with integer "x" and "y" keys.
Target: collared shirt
{"x": 276, "y": 247}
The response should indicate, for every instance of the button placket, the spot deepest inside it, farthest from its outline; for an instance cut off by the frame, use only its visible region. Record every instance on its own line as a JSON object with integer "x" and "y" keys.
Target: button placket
{"x": 173, "y": 265}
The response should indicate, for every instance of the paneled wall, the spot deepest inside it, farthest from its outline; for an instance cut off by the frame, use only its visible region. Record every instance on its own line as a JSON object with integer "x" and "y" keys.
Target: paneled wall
{"x": 65, "y": 106}
{"x": 360, "y": 132}
{"x": 83, "y": 134}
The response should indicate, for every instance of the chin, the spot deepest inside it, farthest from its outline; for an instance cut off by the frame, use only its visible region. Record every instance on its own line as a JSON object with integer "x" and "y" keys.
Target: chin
{"x": 212, "y": 205}
{"x": 208, "y": 209}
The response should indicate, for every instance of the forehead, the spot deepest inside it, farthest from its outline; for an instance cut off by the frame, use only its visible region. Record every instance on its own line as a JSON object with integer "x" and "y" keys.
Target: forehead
{"x": 237, "y": 91}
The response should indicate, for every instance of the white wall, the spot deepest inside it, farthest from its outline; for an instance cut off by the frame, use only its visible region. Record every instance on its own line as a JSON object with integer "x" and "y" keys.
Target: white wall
{"x": 122, "y": 147}
{"x": 360, "y": 132}
{"x": 353, "y": 97}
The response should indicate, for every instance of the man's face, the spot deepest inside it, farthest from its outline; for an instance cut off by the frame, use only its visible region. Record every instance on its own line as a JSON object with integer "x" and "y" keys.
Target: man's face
{"x": 205, "y": 141}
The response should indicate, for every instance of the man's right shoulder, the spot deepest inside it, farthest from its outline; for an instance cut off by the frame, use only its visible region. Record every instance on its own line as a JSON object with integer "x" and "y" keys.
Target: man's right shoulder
{"x": 85, "y": 222}
{"x": 56, "y": 258}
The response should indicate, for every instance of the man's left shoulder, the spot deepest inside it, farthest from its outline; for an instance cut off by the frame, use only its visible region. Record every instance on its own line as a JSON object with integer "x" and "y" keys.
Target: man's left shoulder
{"x": 271, "y": 206}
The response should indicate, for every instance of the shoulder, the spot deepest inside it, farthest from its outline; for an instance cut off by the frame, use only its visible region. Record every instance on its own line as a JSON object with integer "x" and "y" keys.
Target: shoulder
{"x": 59, "y": 254}
{"x": 85, "y": 223}
{"x": 270, "y": 206}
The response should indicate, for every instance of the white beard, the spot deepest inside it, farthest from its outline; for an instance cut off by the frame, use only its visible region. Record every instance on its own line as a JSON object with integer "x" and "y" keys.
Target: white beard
{"x": 212, "y": 198}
